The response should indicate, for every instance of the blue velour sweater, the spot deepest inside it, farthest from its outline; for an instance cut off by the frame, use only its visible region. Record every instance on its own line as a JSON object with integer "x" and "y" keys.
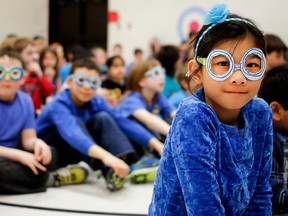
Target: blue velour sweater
{"x": 210, "y": 168}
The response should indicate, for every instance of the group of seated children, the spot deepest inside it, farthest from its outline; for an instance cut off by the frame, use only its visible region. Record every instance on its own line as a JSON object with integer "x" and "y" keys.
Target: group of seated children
{"x": 75, "y": 126}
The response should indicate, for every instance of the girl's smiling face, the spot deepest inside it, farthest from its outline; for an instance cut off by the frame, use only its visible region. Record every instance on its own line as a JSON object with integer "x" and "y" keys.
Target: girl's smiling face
{"x": 233, "y": 93}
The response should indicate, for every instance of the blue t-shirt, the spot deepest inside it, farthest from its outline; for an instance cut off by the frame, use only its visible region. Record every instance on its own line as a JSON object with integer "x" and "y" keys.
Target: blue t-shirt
{"x": 176, "y": 98}
{"x": 208, "y": 169}
{"x": 171, "y": 86}
{"x": 61, "y": 113}
{"x": 15, "y": 117}
{"x": 135, "y": 101}
{"x": 64, "y": 71}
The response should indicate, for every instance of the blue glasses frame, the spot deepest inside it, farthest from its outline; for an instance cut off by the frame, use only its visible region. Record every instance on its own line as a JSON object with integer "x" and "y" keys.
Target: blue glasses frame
{"x": 15, "y": 73}
{"x": 233, "y": 67}
{"x": 156, "y": 72}
{"x": 81, "y": 79}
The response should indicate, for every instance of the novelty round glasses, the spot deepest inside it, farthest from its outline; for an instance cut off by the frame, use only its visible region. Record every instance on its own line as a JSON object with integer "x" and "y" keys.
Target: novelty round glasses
{"x": 156, "y": 72}
{"x": 15, "y": 73}
{"x": 81, "y": 79}
{"x": 220, "y": 64}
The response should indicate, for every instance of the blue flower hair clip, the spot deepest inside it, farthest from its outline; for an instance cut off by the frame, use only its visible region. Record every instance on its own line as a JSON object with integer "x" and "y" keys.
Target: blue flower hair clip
{"x": 216, "y": 15}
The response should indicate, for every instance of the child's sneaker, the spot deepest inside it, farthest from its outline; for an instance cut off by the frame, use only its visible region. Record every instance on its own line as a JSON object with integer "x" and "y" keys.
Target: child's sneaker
{"x": 72, "y": 174}
{"x": 141, "y": 172}
{"x": 113, "y": 181}
{"x": 144, "y": 170}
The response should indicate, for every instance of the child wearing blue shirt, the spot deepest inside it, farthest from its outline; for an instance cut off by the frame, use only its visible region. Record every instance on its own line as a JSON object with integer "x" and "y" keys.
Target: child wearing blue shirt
{"x": 183, "y": 82}
{"x": 218, "y": 153}
{"x": 84, "y": 127}
{"x": 274, "y": 90}
{"x": 144, "y": 102}
{"x": 24, "y": 159}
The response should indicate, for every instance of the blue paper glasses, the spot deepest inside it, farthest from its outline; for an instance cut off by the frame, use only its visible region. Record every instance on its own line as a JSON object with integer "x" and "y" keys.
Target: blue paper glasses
{"x": 156, "y": 72}
{"x": 15, "y": 73}
{"x": 81, "y": 79}
{"x": 220, "y": 64}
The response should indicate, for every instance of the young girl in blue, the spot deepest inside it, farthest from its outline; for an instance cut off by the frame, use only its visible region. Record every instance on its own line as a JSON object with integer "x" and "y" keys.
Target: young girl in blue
{"x": 217, "y": 155}
{"x": 145, "y": 103}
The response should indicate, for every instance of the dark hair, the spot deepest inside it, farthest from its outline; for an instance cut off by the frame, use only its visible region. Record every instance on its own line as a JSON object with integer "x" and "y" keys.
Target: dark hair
{"x": 138, "y": 51}
{"x": 110, "y": 60}
{"x": 86, "y": 63}
{"x": 168, "y": 56}
{"x": 11, "y": 53}
{"x": 274, "y": 43}
{"x": 274, "y": 86}
{"x": 42, "y": 56}
{"x": 231, "y": 30}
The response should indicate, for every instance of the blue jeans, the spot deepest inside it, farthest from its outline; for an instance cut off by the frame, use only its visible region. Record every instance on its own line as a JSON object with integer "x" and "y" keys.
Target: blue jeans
{"x": 102, "y": 129}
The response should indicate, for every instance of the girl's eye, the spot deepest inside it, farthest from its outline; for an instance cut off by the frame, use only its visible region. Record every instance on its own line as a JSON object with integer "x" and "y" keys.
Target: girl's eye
{"x": 223, "y": 63}
{"x": 81, "y": 79}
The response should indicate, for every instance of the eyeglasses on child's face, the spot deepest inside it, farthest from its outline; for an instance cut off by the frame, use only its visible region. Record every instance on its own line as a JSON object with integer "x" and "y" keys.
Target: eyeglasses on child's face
{"x": 156, "y": 72}
{"x": 15, "y": 73}
{"x": 220, "y": 64}
{"x": 81, "y": 79}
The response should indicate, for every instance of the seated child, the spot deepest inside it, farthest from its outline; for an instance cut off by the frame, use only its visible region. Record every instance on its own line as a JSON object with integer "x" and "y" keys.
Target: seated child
{"x": 115, "y": 82}
{"x": 276, "y": 50}
{"x": 24, "y": 159}
{"x": 274, "y": 90}
{"x": 35, "y": 82}
{"x": 82, "y": 126}
{"x": 145, "y": 102}
{"x": 183, "y": 82}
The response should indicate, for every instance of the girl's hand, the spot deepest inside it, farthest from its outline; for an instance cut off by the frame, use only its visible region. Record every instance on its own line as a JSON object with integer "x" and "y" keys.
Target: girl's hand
{"x": 42, "y": 152}
{"x": 28, "y": 159}
{"x": 118, "y": 165}
{"x": 35, "y": 67}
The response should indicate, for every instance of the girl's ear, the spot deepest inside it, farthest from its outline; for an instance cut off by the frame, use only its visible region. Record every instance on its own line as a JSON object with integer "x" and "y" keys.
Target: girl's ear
{"x": 277, "y": 109}
{"x": 141, "y": 83}
{"x": 196, "y": 77}
{"x": 69, "y": 81}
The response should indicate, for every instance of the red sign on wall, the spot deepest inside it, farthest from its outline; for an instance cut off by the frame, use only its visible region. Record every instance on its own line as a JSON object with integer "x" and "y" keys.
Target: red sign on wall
{"x": 113, "y": 17}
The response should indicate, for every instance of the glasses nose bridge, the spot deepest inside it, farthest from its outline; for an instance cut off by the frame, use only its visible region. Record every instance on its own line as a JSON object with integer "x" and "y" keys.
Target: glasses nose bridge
{"x": 237, "y": 67}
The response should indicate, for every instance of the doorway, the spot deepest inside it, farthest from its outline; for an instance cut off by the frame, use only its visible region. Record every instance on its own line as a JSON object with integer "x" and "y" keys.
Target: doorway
{"x": 82, "y": 22}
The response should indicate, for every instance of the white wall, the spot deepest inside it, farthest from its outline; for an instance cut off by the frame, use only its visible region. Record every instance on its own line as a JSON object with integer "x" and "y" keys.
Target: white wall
{"x": 141, "y": 20}
{"x": 24, "y": 17}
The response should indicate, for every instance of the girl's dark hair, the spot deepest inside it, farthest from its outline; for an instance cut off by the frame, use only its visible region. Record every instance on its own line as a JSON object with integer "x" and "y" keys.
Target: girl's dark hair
{"x": 231, "y": 30}
{"x": 42, "y": 56}
{"x": 86, "y": 63}
{"x": 168, "y": 56}
{"x": 110, "y": 60}
{"x": 274, "y": 86}
{"x": 11, "y": 53}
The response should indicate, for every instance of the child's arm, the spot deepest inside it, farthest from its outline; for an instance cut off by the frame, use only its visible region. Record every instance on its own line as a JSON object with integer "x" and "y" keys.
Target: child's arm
{"x": 151, "y": 121}
{"x": 31, "y": 143}
{"x": 156, "y": 145}
{"x": 46, "y": 87}
{"x": 23, "y": 157}
{"x": 118, "y": 165}
{"x": 193, "y": 145}
{"x": 260, "y": 203}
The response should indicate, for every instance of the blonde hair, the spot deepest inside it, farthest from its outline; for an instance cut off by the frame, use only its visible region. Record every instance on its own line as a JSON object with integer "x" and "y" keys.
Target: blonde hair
{"x": 22, "y": 43}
